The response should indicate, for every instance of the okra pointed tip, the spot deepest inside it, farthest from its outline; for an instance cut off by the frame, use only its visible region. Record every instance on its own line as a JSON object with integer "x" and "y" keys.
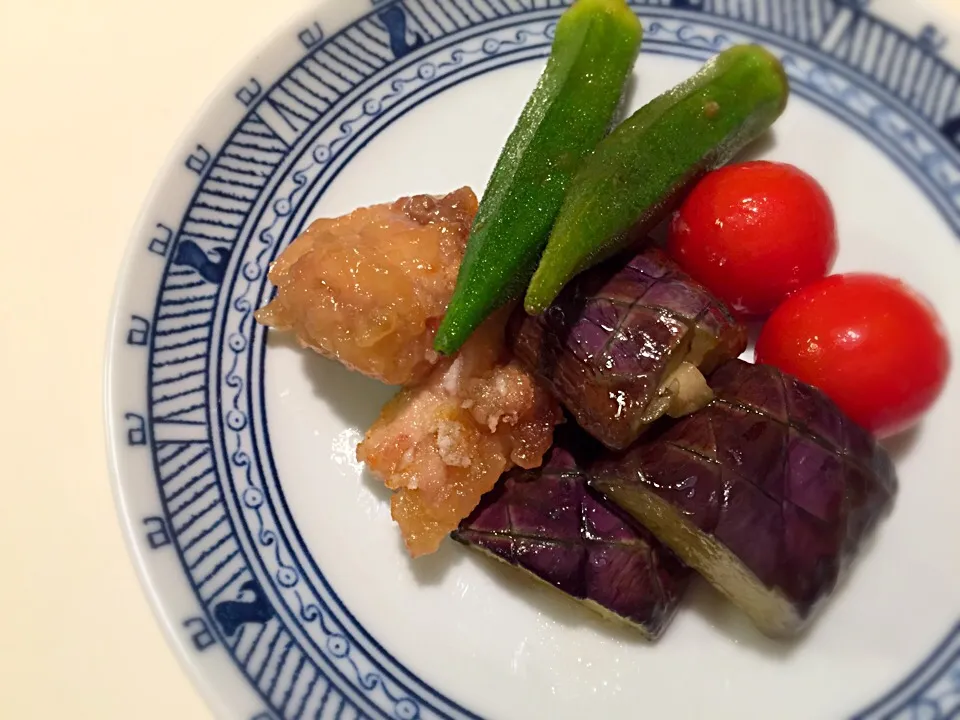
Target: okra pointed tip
{"x": 533, "y": 307}
{"x": 538, "y": 298}
{"x": 446, "y": 342}
{"x": 554, "y": 271}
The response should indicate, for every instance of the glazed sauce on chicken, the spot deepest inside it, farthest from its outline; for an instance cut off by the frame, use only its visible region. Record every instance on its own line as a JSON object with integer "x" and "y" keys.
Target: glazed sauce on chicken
{"x": 369, "y": 288}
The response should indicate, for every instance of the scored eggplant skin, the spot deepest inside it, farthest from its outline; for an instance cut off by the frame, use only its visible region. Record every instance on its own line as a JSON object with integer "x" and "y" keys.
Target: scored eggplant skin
{"x": 549, "y": 523}
{"x": 768, "y": 492}
{"x": 610, "y": 344}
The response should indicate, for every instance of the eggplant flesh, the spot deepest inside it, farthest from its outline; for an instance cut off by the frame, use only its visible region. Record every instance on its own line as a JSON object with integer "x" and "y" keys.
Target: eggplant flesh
{"x": 628, "y": 342}
{"x": 768, "y": 492}
{"x": 548, "y": 523}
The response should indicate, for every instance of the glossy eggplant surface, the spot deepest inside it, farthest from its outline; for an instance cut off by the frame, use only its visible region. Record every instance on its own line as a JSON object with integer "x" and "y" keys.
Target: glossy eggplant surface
{"x": 626, "y": 343}
{"x": 768, "y": 492}
{"x": 549, "y": 523}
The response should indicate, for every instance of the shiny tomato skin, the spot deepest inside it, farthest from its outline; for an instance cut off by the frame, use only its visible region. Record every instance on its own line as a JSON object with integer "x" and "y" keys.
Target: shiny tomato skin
{"x": 755, "y": 232}
{"x": 868, "y": 341}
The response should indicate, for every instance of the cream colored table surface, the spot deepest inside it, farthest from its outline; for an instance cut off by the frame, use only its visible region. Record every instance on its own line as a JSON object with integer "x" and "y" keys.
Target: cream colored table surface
{"x": 93, "y": 94}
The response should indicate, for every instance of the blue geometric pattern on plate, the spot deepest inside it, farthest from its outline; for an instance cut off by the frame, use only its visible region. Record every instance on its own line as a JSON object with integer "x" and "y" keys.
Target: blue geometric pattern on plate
{"x": 263, "y": 597}
{"x": 932, "y": 692}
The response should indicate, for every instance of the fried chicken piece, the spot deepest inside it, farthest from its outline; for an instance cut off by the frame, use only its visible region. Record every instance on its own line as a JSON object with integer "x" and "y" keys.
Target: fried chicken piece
{"x": 445, "y": 442}
{"x": 369, "y": 288}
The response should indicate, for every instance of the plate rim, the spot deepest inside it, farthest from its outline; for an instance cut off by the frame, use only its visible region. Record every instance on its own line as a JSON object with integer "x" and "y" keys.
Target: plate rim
{"x": 236, "y": 75}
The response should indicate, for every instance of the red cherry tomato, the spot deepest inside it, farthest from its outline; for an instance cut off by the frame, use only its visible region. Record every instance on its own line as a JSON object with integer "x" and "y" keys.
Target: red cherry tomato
{"x": 755, "y": 232}
{"x": 868, "y": 341}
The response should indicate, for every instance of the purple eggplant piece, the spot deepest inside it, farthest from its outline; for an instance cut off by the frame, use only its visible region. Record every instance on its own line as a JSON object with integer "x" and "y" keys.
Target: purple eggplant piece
{"x": 768, "y": 492}
{"x": 549, "y": 523}
{"x": 618, "y": 345}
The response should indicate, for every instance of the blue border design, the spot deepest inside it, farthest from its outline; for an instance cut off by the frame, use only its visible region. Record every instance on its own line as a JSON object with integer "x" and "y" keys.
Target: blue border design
{"x": 931, "y": 692}
{"x": 224, "y": 511}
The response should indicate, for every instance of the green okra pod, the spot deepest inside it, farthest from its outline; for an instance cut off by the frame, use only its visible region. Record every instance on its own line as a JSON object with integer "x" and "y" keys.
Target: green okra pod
{"x": 570, "y": 110}
{"x": 641, "y": 171}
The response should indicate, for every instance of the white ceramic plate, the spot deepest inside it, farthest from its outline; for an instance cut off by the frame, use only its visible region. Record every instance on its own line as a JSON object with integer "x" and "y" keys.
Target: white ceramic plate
{"x": 271, "y": 558}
